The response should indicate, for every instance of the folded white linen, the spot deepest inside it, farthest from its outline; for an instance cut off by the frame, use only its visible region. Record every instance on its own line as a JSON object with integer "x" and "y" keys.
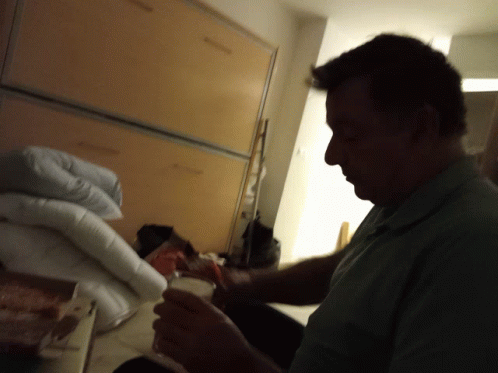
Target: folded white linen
{"x": 46, "y": 252}
{"x": 51, "y": 173}
{"x": 90, "y": 234}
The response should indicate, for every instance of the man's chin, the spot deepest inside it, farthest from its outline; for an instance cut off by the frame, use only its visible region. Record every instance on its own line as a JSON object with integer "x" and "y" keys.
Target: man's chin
{"x": 363, "y": 194}
{"x": 376, "y": 199}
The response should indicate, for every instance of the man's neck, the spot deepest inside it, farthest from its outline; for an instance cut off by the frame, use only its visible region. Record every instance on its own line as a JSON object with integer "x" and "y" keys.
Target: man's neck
{"x": 428, "y": 166}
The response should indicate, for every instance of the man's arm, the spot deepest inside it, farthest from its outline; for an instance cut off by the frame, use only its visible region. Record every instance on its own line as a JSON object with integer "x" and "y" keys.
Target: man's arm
{"x": 304, "y": 283}
{"x": 199, "y": 336}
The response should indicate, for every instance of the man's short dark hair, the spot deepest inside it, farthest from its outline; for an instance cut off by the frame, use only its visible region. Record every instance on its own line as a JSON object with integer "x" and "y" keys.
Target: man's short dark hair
{"x": 405, "y": 74}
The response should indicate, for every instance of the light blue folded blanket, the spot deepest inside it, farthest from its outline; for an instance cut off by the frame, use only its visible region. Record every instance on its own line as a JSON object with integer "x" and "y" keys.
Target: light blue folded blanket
{"x": 50, "y": 173}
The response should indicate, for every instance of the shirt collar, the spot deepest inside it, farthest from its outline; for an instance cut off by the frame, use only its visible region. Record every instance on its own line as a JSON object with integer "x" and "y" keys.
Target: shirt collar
{"x": 432, "y": 194}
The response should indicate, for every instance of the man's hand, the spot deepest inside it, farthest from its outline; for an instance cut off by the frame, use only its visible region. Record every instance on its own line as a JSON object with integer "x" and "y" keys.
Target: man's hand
{"x": 220, "y": 275}
{"x": 199, "y": 336}
{"x": 224, "y": 278}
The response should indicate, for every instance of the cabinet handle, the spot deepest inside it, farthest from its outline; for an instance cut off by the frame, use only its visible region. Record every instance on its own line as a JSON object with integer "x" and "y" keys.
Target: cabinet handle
{"x": 98, "y": 148}
{"x": 188, "y": 169}
{"x": 142, "y": 5}
{"x": 217, "y": 45}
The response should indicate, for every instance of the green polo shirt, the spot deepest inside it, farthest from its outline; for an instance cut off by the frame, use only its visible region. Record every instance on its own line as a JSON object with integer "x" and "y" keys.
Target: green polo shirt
{"x": 417, "y": 290}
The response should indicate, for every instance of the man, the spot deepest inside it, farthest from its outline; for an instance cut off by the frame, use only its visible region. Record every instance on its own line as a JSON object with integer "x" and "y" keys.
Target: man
{"x": 416, "y": 290}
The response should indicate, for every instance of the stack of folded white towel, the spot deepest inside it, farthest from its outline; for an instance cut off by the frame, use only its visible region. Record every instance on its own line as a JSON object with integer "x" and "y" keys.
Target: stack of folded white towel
{"x": 52, "y": 206}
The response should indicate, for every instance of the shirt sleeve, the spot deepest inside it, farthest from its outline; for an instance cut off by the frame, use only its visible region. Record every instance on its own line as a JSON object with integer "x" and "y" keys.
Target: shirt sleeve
{"x": 447, "y": 318}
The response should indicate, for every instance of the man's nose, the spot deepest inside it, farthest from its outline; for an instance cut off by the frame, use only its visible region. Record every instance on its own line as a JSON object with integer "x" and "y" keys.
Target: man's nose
{"x": 335, "y": 152}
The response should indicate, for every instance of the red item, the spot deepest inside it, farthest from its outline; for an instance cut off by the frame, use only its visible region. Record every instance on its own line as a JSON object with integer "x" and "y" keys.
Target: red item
{"x": 165, "y": 261}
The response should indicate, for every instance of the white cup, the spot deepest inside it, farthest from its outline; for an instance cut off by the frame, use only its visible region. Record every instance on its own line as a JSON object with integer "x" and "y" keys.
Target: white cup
{"x": 194, "y": 284}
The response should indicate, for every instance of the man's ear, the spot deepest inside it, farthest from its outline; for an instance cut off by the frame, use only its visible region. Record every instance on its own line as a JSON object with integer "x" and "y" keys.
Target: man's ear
{"x": 425, "y": 125}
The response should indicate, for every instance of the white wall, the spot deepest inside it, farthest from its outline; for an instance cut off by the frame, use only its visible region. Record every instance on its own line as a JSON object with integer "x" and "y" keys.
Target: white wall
{"x": 475, "y": 56}
{"x": 286, "y": 126}
{"x": 480, "y": 107}
{"x": 316, "y": 198}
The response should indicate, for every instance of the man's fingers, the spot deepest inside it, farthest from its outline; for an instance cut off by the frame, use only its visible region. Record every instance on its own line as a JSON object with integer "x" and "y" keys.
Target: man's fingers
{"x": 186, "y": 310}
{"x": 170, "y": 349}
{"x": 175, "y": 334}
{"x": 173, "y": 311}
{"x": 172, "y": 316}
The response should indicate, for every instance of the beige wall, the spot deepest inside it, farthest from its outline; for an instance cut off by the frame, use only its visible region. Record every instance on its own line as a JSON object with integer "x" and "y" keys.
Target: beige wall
{"x": 316, "y": 198}
{"x": 286, "y": 126}
{"x": 480, "y": 107}
{"x": 475, "y": 56}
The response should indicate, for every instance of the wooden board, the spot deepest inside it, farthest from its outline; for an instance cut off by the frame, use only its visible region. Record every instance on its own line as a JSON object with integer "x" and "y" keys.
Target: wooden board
{"x": 7, "y": 8}
{"x": 164, "y": 63}
{"x": 489, "y": 157}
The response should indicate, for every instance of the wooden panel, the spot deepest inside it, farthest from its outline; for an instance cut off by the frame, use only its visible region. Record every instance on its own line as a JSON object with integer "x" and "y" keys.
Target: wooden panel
{"x": 165, "y": 63}
{"x": 163, "y": 182}
{"x": 489, "y": 158}
{"x": 7, "y": 8}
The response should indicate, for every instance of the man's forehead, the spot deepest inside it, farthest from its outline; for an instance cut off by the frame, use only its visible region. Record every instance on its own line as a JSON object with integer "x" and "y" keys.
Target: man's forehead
{"x": 349, "y": 100}
{"x": 357, "y": 87}
{"x": 351, "y": 106}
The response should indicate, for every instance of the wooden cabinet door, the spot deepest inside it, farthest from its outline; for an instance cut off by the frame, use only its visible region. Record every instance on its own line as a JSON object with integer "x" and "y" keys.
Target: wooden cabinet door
{"x": 7, "y": 8}
{"x": 162, "y": 63}
{"x": 163, "y": 182}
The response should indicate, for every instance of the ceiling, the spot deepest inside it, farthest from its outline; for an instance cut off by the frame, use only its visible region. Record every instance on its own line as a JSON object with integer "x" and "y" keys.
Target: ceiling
{"x": 422, "y": 18}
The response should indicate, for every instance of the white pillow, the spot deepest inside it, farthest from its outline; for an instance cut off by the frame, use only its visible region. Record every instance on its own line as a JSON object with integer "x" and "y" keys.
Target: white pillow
{"x": 90, "y": 234}
{"x": 50, "y": 173}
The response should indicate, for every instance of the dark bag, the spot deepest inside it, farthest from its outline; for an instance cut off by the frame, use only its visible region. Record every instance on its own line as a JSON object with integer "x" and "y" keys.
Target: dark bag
{"x": 150, "y": 237}
{"x": 260, "y": 249}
